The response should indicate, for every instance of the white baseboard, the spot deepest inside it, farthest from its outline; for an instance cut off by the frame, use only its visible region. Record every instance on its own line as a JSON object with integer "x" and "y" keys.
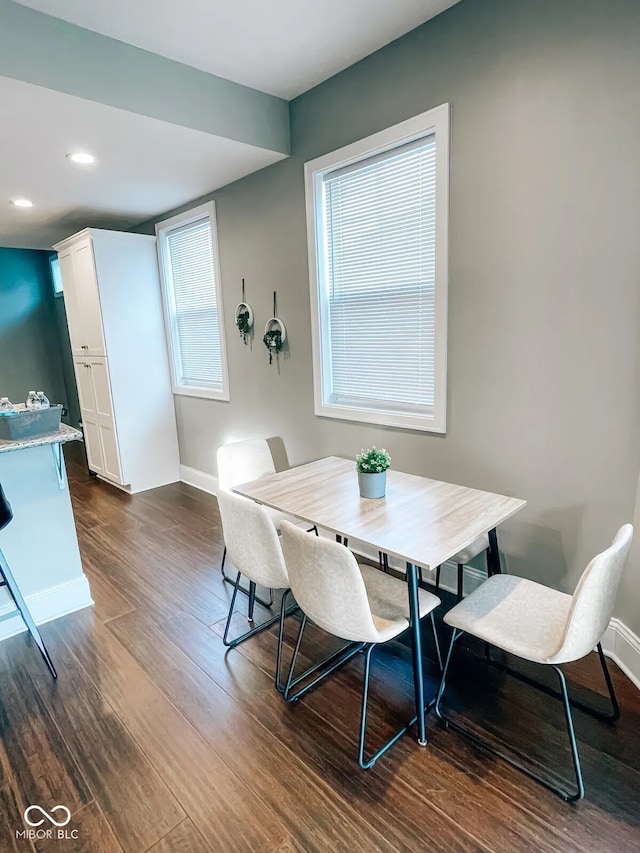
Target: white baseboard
{"x": 47, "y": 605}
{"x": 619, "y": 642}
{"x": 623, "y": 646}
{"x": 199, "y": 480}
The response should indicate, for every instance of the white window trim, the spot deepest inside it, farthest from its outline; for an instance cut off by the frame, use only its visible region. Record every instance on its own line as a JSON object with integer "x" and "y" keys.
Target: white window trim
{"x": 433, "y": 121}
{"x": 207, "y": 209}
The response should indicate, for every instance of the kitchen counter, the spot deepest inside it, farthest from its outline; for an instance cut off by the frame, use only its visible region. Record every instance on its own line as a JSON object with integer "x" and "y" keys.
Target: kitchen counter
{"x": 61, "y": 436}
{"x": 40, "y": 544}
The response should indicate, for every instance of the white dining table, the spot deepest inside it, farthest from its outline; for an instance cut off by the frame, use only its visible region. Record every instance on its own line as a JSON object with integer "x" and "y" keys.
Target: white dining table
{"x": 420, "y": 521}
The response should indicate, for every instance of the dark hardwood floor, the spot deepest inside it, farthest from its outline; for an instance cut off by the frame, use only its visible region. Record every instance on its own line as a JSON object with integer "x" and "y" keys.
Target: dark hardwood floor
{"x": 157, "y": 738}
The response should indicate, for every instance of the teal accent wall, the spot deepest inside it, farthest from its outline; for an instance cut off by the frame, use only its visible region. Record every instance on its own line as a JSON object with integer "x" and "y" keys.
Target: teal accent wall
{"x": 30, "y": 343}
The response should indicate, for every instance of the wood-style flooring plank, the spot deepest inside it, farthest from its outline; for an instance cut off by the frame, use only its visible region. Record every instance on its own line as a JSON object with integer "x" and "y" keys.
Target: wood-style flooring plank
{"x": 185, "y": 838}
{"x": 109, "y": 603}
{"x": 36, "y": 761}
{"x": 216, "y": 800}
{"x": 319, "y": 818}
{"x": 323, "y": 728}
{"x": 384, "y": 813}
{"x": 135, "y": 800}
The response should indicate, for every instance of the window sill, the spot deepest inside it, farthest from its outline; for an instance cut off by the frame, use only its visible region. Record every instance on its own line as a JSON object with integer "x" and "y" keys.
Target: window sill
{"x": 204, "y": 393}
{"x": 399, "y": 420}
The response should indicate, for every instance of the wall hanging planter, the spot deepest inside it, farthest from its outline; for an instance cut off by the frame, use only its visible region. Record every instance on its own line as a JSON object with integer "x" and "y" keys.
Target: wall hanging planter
{"x": 275, "y": 333}
{"x": 244, "y": 318}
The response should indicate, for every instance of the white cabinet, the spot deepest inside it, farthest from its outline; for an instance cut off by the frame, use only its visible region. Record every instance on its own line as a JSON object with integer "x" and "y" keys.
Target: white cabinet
{"x": 114, "y": 311}
{"x": 82, "y": 298}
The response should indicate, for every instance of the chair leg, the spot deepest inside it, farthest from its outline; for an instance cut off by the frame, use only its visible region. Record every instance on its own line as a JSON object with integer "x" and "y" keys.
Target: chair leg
{"x": 325, "y": 667}
{"x": 366, "y": 763}
{"x": 292, "y": 665}
{"x": 20, "y": 603}
{"x": 511, "y": 759}
{"x": 615, "y": 715}
{"x": 436, "y": 640}
{"x": 224, "y": 559}
{"x": 227, "y": 579}
{"x": 252, "y": 600}
{"x": 283, "y": 607}
{"x": 231, "y": 644}
{"x": 579, "y": 794}
{"x": 443, "y": 678}
{"x": 588, "y": 709}
{"x": 460, "y": 581}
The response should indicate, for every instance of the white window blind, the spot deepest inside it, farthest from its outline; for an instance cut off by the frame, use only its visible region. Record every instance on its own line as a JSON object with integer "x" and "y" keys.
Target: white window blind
{"x": 379, "y": 224}
{"x": 192, "y": 300}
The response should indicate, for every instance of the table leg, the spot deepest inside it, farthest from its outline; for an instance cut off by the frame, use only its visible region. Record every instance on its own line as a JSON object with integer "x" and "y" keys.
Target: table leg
{"x": 416, "y": 649}
{"x": 494, "y": 554}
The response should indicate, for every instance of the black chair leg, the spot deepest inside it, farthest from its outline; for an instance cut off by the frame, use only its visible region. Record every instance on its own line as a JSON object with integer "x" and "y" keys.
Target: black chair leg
{"x": 366, "y": 763}
{"x": 229, "y": 580}
{"x": 231, "y": 644}
{"x": 324, "y": 667}
{"x": 20, "y": 603}
{"x": 224, "y": 558}
{"x": 252, "y": 600}
{"x": 588, "y": 709}
{"x": 568, "y": 796}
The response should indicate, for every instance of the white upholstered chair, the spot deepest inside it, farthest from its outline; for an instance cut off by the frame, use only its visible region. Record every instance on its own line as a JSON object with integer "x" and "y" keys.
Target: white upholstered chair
{"x": 254, "y": 548}
{"x": 241, "y": 462}
{"x": 544, "y": 626}
{"x": 350, "y": 601}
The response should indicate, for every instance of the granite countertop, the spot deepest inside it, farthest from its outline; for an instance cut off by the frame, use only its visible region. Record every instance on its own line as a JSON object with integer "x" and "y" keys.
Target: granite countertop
{"x": 60, "y": 436}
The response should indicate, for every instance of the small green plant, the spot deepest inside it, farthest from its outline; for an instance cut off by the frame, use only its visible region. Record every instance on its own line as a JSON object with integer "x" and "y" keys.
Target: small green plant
{"x": 243, "y": 324}
{"x": 273, "y": 342}
{"x": 373, "y": 461}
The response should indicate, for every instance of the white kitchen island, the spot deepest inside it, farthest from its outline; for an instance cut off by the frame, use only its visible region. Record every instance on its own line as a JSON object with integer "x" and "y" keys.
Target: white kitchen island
{"x": 40, "y": 544}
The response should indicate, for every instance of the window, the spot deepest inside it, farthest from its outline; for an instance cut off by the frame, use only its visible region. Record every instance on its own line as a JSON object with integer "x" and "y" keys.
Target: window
{"x": 377, "y": 215}
{"x": 190, "y": 272}
{"x": 56, "y": 275}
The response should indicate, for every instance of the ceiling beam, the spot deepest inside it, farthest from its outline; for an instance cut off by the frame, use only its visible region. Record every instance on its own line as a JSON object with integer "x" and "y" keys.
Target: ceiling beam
{"x": 52, "y": 53}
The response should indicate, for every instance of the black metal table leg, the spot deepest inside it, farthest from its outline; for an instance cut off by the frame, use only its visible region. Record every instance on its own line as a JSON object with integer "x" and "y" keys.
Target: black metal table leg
{"x": 416, "y": 649}
{"x": 493, "y": 557}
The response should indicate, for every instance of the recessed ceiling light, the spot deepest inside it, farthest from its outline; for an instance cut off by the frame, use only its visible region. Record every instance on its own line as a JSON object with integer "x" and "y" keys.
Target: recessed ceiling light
{"x": 81, "y": 157}
{"x": 21, "y": 202}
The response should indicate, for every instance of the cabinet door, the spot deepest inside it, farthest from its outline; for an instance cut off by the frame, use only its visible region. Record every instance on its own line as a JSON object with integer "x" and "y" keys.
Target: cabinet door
{"x": 99, "y": 373}
{"x": 89, "y": 297}
{"x": 93, "y": 443}
{"x": 75, "y": 318}
{"x": 110, "y": 452}
{"x": 85, "y": 386}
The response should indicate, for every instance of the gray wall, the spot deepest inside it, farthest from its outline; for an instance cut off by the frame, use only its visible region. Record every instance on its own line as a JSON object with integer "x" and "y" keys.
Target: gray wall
{"x": 29, "y": 342}
{"x": 544, "y": 271}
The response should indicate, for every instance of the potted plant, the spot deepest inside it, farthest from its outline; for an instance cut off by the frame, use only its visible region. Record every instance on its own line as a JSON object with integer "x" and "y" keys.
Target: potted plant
{"x": 274, "y": 336}
{"x": 372, "y": 467}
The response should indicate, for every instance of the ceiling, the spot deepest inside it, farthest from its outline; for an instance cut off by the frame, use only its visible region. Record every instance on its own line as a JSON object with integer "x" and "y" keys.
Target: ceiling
{"x": 163, "y": 133}
{"x": 145, "y": 166}
{"x": 283, "y": 47}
